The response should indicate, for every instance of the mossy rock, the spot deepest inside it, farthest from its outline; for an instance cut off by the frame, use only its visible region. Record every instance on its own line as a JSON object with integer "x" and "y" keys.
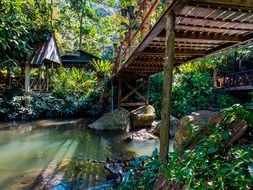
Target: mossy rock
{"x": 143, "y": 116}
{"x": 119, "y": 120}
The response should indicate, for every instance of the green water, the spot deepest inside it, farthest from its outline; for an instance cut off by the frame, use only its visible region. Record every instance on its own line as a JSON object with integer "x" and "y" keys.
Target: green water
{"x": 28, "y": 150}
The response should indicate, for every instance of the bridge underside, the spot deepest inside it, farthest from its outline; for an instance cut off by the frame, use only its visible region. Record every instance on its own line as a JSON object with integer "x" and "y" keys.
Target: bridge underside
{"x": 202, "y": 27}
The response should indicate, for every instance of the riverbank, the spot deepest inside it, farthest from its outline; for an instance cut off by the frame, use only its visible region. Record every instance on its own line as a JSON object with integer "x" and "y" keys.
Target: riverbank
{"x": 59, "y": 150}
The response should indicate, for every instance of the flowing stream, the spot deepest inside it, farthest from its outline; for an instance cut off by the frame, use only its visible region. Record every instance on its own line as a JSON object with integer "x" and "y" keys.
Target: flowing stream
{"x": 45, "y": 152}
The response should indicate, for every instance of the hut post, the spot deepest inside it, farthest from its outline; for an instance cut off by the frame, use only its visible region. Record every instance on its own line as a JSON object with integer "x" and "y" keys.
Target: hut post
{"x": 27, "y": 78}
{"x": 167, "y": 87}
{"x": 215, "y": 77}
{"x": 47, "y": 77}
{"x": 8, "y": 78}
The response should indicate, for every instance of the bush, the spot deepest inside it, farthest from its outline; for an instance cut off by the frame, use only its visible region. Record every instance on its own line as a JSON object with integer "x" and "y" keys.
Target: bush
{"x": 191, "y": 91}
{"x": 225, "y": 100}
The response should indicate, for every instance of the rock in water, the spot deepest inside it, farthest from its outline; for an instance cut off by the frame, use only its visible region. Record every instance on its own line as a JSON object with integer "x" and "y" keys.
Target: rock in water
{"x": 143, "y": 116}
{"x": 119, "y": 120}
{"x": 141, "y": 136}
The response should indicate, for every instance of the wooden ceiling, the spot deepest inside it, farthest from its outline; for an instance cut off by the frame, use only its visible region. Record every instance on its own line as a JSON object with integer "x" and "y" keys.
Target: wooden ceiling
{"x": 202, "y": 27}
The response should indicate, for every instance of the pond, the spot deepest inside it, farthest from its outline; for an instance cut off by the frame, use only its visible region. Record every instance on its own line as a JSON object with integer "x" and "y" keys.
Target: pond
{"x": 46, "y": 152}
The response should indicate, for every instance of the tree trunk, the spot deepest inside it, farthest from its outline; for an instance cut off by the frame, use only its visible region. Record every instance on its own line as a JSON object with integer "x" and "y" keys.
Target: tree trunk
{"x": 52, "y": 8}
{"x": 81, "y": 34}
{"x": 167, "y": 88}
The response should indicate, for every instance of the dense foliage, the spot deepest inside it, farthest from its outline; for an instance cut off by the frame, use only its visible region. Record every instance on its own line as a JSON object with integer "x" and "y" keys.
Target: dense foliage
{"x": 75, "y": 93}
{"x": 192, "y": 90}
{"x": 21, "y": 25}
{"x": 215, "y": 163}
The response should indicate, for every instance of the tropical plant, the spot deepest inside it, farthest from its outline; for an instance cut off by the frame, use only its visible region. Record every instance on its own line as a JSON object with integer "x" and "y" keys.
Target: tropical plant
{"x": 103, "y": 68}
{"x": 72, "y": 82}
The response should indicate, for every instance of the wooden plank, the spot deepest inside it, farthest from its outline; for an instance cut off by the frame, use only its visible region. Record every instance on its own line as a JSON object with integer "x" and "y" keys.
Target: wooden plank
{"x": 228, "y": 4}
{"x": 209, "y": 37}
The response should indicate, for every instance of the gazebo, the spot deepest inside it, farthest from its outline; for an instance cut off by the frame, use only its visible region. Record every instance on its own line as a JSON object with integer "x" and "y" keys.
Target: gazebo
{"x": 45, "y": 58}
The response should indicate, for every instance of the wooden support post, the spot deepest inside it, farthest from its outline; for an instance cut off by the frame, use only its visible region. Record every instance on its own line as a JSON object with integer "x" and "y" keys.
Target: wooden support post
{"x": 148, "y": 89}
{"x": 167, "y": 88}
{"x": 27, "y": 78}
{"x": 40, "y": 78}
{"x": 112, "y": 95}
{"x": 215, "y": 77}
{"x": 235, "y": 68}
{"x": 8, "y": 79}
{"x": 119, "y": 93}
{"x": 47, "y": 77}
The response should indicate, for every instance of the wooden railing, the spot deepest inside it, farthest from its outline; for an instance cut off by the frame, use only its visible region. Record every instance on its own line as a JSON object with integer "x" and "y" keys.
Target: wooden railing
{"x": 130, "y": 42}
{"x": 38, "y": 84}
{"x": 237, "y": 79}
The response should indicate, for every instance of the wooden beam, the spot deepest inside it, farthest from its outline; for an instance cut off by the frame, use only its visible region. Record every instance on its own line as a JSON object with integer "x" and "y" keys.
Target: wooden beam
{"x": 202, "y": 36}
{"x": 178, "y": 51}
{"x": 134, "y": 90}
{"x": 236, "y": 5}
{"x": 210, "y": 21}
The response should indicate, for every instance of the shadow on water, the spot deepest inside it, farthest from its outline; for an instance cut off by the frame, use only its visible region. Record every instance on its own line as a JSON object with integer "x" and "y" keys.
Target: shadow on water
{"x": 41, "y": 154}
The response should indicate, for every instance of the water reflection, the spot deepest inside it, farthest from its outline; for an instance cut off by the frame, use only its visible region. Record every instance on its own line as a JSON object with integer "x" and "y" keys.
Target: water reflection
{"x": 53, "y": 150}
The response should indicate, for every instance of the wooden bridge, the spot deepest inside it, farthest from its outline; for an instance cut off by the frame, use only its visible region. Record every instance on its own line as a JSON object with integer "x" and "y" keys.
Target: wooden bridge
{"x": 186, "y": 31}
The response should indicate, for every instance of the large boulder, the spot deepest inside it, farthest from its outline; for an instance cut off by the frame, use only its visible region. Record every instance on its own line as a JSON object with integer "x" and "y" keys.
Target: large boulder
{"x": 119, "y": 120}
{"x": 174, "y": 124}
{"x": 192, "y": 122}
{"x": 143, "y": 116}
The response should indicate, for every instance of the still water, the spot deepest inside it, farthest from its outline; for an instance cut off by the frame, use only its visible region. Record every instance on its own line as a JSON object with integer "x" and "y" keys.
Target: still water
{"x": 49, "y": 151}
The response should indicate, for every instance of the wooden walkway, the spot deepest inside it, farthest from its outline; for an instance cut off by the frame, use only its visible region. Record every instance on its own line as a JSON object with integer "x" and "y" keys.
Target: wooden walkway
{"x": 202, "y": 27}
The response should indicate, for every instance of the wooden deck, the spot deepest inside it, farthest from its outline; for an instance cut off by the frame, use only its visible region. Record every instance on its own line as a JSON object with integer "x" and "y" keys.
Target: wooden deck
{"x": 202, "y": 27}
{"x": 236, "y": 81}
